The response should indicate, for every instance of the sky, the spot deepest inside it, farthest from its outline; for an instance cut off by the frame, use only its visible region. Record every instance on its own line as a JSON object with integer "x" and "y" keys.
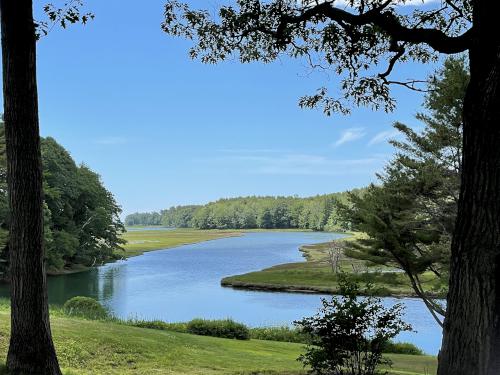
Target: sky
{"x": 124, "y": 98}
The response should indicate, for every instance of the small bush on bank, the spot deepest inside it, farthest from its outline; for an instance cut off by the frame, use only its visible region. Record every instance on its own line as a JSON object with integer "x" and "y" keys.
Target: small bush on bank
{"x": 402, "y": 348}
{"x": 158, "y": 324}
{"x": 85, "y": 307}
{"x": 284, "y": 334}
{"x": 150, "y": 324}
{"x": 226, "y": 328}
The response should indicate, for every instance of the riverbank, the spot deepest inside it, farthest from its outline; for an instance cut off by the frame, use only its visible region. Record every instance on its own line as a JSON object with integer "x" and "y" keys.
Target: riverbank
{"x": 102, "y": 347}
{"x": 315, "y": 275}
{"x": 141, "y": 241}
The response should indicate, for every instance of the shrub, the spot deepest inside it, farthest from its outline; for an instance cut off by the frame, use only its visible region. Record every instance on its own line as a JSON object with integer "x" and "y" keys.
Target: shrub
{"x": 349, "y": 333}
{"x": 226, "y": 328}
{"x": 285, "y": 334}
{"x": 158, "y": 324}
{"x": 402, "y": 348}
{"x": 85, "y": 307}
{"x": 151, "y": 324}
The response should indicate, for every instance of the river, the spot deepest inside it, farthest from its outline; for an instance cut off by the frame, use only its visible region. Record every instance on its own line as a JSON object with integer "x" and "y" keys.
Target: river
{"x": 184, "y": 283}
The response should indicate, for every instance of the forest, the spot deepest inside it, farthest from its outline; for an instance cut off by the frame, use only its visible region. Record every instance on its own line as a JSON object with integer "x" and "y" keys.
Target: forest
{"x": 81, "y": 217}
{"x": 315, "y": 213}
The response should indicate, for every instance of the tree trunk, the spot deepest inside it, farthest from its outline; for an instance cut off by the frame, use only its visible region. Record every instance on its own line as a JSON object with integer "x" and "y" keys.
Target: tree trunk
{"x": 471, "y": 342}
{"x": 31, "y": 348}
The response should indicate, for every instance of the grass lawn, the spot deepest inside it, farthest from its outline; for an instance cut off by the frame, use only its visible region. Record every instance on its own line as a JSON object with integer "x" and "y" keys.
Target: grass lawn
{"x": 94, "y": 347}
{"x": 316, "y": 275}
{"x": 139, "y": 241}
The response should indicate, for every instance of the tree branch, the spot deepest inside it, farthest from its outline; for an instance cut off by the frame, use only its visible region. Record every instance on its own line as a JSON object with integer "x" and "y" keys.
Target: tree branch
{"x": 387, "y": 22}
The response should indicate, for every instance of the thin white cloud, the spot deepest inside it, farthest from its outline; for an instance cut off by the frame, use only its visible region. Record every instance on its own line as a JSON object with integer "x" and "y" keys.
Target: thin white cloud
{"x": 383, "y": 136}
{"x": 313, "y": 165}
{"x": 111, "y": 141}
{"x": 295, "y": 164}
{"x": 350, "y": 135}
{"x": 251, "y": 150}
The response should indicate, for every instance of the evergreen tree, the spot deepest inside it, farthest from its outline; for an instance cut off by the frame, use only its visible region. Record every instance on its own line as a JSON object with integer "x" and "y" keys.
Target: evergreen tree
{"x": 410, "y": 217}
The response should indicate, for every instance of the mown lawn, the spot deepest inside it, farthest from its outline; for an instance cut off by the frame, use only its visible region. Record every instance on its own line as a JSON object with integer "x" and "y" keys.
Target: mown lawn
{"x": 94, "y": 347}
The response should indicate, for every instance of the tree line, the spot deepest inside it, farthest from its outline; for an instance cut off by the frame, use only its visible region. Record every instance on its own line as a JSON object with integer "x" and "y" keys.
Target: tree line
{"x": 144, "y": 218}
{"x": 81, "y": 217}
{"x": 316, "y": 213}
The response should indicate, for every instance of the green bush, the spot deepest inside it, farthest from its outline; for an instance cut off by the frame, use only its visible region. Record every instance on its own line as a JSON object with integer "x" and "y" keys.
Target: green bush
{"x": 284, "y": 334}
{"x": 85, "y": 307}
{"x": 226, "y": 328}
{"x": 150, "y": 324}
{"x": 350, "y": 332}
{"x": 159, "y": 325}
{"x": 402, "y": 348}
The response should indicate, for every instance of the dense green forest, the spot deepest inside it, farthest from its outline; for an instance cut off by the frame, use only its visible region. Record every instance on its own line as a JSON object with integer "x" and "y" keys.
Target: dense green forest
{"x": 144, "y": 218}
{"x": 316, "y": 213}
{"x": 82, "y": 224}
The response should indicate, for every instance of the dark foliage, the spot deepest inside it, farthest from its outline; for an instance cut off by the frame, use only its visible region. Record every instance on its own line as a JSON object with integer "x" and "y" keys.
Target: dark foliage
{"x": 81, "y": 217}
{"x": 350, "y": 332}
{"x": 226, "y": 328}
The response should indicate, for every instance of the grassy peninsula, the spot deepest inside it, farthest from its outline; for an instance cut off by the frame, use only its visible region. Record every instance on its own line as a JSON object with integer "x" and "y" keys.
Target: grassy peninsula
{"x": 106, "y": 347}
{"x": 315, "y": 275}
{"x": 140, "y": 241}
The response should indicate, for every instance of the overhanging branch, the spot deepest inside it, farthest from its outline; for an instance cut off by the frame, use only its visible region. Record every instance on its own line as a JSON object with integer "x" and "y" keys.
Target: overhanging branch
{"x": 387, "y": 22}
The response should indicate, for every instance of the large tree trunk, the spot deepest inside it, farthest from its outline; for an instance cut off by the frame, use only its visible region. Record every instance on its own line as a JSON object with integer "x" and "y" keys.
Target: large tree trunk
{"x": 471, "y": 342}
{"x": 31, "y": 349}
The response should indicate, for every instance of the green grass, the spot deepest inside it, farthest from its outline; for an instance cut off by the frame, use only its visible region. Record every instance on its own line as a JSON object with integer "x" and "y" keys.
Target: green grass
{"x": 139, "y": 241}
{"x": 103, "y": 347}
{"x": 316, "y": 275}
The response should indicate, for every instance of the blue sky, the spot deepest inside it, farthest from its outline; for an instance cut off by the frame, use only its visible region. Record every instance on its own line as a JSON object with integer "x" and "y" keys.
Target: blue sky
{"x": 163, "y": 130}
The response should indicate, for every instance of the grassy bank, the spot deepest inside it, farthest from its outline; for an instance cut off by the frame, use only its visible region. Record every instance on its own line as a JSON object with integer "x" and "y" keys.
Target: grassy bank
{"x": 139, "y": 241}
{"x": 315, "y": 275}
{"x": 102, "y": 347}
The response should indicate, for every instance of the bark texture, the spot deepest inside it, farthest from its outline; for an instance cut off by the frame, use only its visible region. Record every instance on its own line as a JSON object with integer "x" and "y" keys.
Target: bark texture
{"x": 31, "y": 348}
{"x": 471, "y": 342}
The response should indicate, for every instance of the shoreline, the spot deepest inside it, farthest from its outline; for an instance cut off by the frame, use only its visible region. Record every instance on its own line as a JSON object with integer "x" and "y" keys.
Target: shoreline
{"x": 303, "y": 289}
{"x": 225, "y": 233}
{"x": 130, "y": 253}
{"x": 313, "y": 275}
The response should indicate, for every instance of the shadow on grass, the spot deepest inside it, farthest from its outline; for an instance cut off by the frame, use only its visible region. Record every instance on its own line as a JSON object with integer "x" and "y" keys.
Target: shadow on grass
{"x": 5, "y": 371}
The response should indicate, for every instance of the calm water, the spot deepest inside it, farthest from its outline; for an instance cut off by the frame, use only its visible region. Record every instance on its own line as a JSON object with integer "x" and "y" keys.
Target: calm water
{"x": 183, "y": 283}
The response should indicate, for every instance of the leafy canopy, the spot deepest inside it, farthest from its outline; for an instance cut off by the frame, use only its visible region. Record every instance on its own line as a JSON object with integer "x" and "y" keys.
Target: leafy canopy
{"x": 359, "y": 40}
{"x": 81, "y": 217}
